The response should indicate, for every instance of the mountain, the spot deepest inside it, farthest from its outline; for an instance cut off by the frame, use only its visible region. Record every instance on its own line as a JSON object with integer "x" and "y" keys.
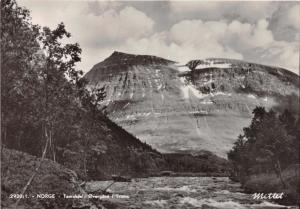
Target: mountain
{"x": 201, "y": 105}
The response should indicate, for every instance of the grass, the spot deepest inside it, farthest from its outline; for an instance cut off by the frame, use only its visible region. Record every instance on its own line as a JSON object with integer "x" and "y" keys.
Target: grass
{"x": 270, "y": 183}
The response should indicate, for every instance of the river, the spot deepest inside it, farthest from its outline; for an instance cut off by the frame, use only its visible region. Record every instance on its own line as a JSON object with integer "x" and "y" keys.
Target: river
{"x": 180, "y": 193}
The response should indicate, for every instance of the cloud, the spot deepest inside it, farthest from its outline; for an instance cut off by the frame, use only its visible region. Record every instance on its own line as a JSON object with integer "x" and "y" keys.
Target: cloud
{"x": 100, "y": 35}
{"x": 96, "y": 29}
{"x": 96, "y": 26}
{"x": 214, "y": 10}
{"x": 263, "y": 32}
{"x": 181, "y": 52}
{"x": 197, "y": 39}
{"x": 281, "y": 54}
{"x": 111, "y": 26}
{"x": 285, "y": 22}
{"x": 99, "y": 7}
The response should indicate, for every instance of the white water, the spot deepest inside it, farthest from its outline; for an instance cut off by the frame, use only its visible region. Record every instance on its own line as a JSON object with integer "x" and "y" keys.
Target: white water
{"x": 182, "y": 193}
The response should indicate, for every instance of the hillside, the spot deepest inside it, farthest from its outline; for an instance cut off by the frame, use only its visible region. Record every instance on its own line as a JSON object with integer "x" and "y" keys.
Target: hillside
{"x": 17, "y": 168}
{"x": 119, "y": 153}
{"x": 201, "y": 105}
{"x": 114, "y": 152}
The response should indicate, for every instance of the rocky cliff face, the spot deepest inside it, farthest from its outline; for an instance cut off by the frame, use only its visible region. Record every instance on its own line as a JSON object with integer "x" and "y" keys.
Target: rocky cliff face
{"x": 202, "y": 105}
{"x": 225, "y": 75}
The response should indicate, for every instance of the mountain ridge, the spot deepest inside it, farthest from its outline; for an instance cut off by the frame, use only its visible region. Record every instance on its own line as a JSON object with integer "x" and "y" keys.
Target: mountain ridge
{"x": 122, "y": 61}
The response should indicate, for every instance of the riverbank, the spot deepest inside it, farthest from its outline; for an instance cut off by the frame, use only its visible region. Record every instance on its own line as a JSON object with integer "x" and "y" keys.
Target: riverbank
{"x": 52, "y": 179}
{"x": 271, "y": 183}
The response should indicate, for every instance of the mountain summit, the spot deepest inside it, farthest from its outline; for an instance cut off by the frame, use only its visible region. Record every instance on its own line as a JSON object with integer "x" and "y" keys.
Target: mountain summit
{"x": 202, "y": 105}
{"x": 134, "y": 58}
{"x": 119, "y": 62}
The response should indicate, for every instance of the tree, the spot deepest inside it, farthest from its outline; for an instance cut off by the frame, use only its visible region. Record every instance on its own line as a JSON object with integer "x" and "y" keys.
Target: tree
{"x": 57, "y": 76}
{"x": 18, "y": 78}
{"x": 91, "y": 100}
{"x": 238, "y": 156}
{"x": 38, "y": 81}
{"x": 273, "y": 142}
{"x": 269, "y": 143}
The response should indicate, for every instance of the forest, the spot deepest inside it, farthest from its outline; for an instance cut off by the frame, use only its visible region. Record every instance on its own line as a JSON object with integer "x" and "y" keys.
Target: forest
{"x": 265, "y": 158}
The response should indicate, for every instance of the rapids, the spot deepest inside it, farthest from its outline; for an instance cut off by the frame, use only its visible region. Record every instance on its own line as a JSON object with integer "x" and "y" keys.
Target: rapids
{"x": 181, "y": 193}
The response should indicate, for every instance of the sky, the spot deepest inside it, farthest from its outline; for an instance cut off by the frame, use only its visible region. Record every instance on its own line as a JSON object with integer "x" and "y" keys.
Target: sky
{"x": 263, "y": 32}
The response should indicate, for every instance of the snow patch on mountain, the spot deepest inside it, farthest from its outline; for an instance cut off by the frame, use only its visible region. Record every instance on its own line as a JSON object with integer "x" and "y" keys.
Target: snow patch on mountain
{"x": 188, "y": 89}
{"x": 213, "y": 65}
{"x": 183, "y": 68}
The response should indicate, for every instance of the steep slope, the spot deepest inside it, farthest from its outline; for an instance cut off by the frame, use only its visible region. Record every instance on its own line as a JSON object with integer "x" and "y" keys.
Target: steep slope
{"x": 201, "y": 105}
{"x": 113, "y": 152}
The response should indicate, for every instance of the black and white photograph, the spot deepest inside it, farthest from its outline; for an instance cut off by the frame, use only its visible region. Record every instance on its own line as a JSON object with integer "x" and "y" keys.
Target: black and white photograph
{"x": 170, "y": 104}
